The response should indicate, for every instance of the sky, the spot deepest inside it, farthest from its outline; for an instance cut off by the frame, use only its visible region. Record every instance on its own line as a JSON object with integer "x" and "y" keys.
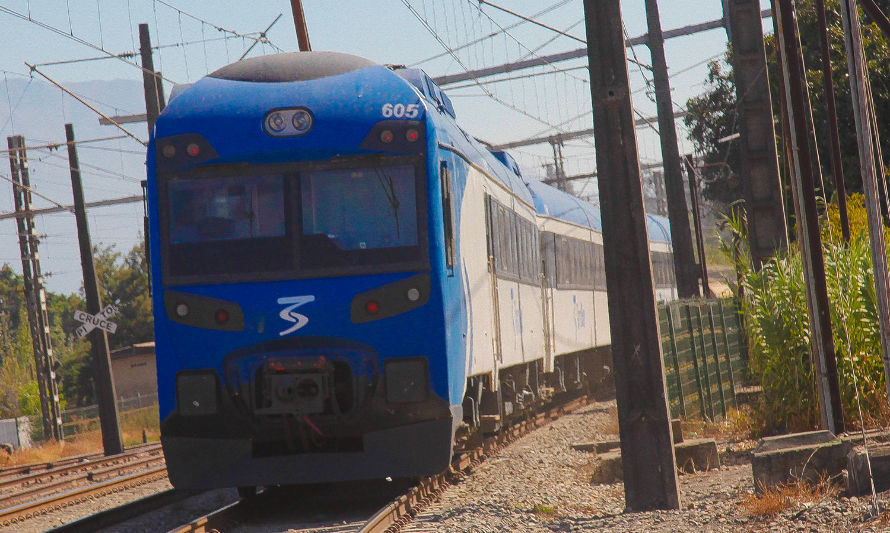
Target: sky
{"x": 198, "y": 37}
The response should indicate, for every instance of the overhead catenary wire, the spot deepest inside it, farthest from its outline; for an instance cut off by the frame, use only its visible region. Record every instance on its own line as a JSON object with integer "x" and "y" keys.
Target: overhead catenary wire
{"x": 488, "y": 93}
{"x": 75, "y": 38}
{"x": 79, "y": 99}
{"x": 491, "y": 35}
{"x": 218, "y": 27}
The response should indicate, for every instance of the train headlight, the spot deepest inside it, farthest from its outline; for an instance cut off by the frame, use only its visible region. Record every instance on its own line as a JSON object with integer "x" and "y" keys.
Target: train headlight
{"x": 196, "y": 392}
{"x": 413, "y": 294}
{"x": 302, "y": 120}
{"x": 169, "y": 150}
{"x": 275, "y": 122}
{"x": 407, "y": 380}
{"x": 291, "y": 122}
{"x": 182, "y": 310}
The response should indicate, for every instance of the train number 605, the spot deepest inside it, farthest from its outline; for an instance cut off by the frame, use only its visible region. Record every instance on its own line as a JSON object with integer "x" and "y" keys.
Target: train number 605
{"x": 400, "y": 110}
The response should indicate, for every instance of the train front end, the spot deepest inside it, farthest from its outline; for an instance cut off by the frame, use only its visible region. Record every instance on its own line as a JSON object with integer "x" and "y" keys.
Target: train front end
{"x": 298, "y": 320}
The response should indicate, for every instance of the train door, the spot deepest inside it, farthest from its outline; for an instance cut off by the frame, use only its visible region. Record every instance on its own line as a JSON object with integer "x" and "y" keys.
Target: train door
{"x": 548, "y": 282}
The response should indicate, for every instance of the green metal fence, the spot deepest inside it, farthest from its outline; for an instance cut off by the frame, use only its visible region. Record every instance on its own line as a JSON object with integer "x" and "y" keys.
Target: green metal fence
{"x": 703, "y": 363}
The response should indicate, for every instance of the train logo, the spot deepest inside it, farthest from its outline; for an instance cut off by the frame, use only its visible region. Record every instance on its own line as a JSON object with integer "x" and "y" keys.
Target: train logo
{"x": 288, "y": 313}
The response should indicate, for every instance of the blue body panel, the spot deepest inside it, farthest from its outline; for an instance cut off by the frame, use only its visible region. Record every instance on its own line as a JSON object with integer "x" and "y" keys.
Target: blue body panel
{"x": 345, "y": 107}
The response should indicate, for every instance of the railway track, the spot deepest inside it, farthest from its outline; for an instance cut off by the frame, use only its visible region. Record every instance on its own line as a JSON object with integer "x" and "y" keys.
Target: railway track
{"x": 39, "y": 488}
{"x": 388, "y": 516}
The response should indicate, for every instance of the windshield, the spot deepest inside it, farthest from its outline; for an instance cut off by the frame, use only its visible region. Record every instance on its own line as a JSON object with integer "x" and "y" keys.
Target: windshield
{"x": 294, "y": 223}
{"x": 226, "y": 209}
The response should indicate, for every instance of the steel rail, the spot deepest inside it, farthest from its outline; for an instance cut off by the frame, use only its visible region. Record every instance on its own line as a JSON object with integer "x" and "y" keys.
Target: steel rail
{"x": 27, "y": 510}
{"x": 28, "y": 468}
{"x": 83, "y": 470}
{"x": 122, "y": 513}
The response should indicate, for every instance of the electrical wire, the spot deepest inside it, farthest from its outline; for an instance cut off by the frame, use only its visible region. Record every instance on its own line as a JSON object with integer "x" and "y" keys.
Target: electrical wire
{"x": 75, "y": 38}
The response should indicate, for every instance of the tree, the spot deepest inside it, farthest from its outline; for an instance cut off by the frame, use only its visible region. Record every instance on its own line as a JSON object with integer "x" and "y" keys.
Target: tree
{"x": 712, "y": 114}
{"x": 711, "y": 117}
{"x": 124, "y": 282}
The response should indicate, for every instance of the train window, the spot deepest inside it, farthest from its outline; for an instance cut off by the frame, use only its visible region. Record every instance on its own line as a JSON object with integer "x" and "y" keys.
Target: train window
{"x": 358, "y": 209}
{"x": 358, "y": 216}
{"x": 207, "y": 216}
{"x": 447, "y": 217}
{"x": 203, "y": 210}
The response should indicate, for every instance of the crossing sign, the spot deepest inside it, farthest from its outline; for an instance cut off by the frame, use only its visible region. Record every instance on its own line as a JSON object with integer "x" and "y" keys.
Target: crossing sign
{"x": 99, "y": 320}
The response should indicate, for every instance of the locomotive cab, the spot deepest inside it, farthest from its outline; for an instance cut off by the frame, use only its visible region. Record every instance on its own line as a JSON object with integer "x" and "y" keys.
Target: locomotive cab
{"x": 291, "y": 243}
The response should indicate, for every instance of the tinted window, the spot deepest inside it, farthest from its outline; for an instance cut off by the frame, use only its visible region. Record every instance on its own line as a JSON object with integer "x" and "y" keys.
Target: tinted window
{"x": 203, "y": 210}
{"x": 293, "y": 223}
{"x": 359, "y": 209}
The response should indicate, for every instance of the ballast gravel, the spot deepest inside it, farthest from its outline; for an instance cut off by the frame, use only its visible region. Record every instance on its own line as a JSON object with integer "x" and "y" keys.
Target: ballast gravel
{"x": 540, "y": 484}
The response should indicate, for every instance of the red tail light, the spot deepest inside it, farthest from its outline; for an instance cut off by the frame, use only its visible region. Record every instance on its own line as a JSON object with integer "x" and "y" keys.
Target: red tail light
{"x": 221, "y": 316}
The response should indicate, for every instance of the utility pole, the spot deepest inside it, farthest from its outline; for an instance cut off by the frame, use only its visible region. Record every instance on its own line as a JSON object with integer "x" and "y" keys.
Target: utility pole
{"x": 857, "y": 75}
{"x": 681, "y": 236}
{"x": 696, "y": 217}
{"x": 803, "y": 180}
{"x": 35, "y": 296}
{"x": 660, "y": 201}
{"x": 559, "y": 172}
{"x": 111, "y": 436}
{"x": 300, "y": 25}
{"x": 647, "y": 450}
{"x": 767, "y": 233}
{"x": 837, "y": 168}
{"x": 151, "y": 80}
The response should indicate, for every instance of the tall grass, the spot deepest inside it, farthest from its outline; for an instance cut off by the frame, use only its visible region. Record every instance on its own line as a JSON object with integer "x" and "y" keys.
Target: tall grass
{"x": 777, "y": 324}
{"x": 133, "y": 425}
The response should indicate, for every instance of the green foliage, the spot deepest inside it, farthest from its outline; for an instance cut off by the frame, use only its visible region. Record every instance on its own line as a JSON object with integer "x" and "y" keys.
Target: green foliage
{"x": 775, "y": 310}
{"x": 29, "y": 398}
{"x": 124, "y": 281}
{"x": 713, "y": 114}
{"x": 710, "y": 117}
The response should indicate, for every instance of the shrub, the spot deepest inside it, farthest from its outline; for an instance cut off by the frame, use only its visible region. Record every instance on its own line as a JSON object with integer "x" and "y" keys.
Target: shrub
{"x": 777, "y": 325}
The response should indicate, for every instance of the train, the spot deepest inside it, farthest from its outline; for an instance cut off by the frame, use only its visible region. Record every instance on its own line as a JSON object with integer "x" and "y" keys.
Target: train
{"x": 346, "y": 283}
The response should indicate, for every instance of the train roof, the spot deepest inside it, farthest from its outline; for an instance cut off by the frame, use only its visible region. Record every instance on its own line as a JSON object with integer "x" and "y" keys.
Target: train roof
{"x": 291, "y": 66}
{"x": 550, "y": 201}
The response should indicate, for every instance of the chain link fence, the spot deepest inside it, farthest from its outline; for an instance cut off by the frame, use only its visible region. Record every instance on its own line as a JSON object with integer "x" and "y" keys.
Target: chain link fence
{"x": 22, "y": 431}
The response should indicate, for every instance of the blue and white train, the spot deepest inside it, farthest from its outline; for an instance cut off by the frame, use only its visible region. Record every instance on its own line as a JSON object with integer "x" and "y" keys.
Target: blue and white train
{"x": 344, "y": 279}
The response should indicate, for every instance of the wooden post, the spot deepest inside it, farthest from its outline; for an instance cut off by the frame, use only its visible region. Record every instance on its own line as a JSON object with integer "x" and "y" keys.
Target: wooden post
{"x": 300, "y": 25}
{"x": 111, "y": 435}
{"x": 681, "y": 239}
{"x": 760, "y": 167}
{"x": 647, "y": 450}
{"x": 803, "y": 180}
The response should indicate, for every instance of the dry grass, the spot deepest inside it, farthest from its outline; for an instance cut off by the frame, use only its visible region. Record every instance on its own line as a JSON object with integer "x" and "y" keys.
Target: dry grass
{"x": 610, "y": 426}
{"x": 738, "y": 425}
{"x": 775, "y": 500}
{"x": 133, "y": 423}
